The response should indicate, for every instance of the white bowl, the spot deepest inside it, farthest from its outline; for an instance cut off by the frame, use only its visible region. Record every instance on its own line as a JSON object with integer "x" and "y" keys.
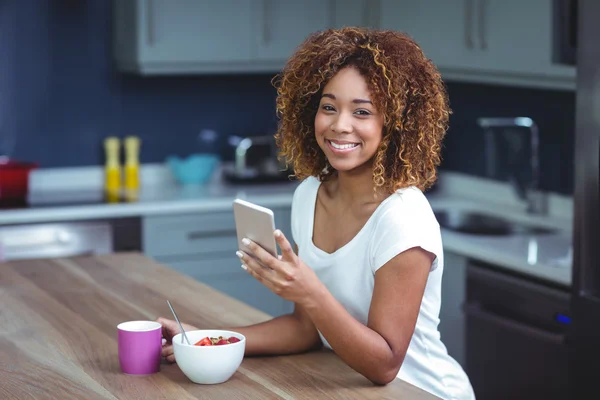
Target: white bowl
{"x": 208, "y": 364}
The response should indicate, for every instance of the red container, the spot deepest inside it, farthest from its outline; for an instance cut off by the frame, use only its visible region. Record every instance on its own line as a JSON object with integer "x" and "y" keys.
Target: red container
{"x": 14, "y": 180}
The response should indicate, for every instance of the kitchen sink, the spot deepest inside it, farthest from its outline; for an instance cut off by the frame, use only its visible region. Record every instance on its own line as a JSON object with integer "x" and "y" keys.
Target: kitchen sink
{"x": 477, "y": 223}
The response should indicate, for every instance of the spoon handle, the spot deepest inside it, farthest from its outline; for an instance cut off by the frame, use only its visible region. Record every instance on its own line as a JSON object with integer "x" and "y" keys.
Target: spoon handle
{"x": 180, "y": 326}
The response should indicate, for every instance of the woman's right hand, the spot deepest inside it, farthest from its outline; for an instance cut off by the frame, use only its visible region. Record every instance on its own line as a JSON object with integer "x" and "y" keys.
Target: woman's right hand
{"x": 170, "y": 328}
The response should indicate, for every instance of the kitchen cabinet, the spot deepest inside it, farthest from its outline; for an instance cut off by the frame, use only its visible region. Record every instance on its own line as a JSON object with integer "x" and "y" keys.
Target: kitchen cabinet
{"x": 183, "y": 36}
{"x": 283, "y": 25}
{"x": 203, "y": 245}
{"x": 223, "y": 272}
{"x": 356, "y": 13}
{"x": 229, "y": 36}
{"x": 508, "y": 42}
{"x": 516, "y": 39}
{"x": 438, "y": 27}
{"x": 452, "y": 318}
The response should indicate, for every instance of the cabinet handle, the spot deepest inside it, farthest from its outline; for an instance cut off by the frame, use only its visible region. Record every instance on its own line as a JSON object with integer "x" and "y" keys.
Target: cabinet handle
{"x": 266, "y": 21}
{"x": 372, "y": 13}
{"x": 469, "y": 23}
{"x": 482, "y": 24}
{"x": 197, "y": 235}
{"x": 150, "y": 22}
{"x": 331, "y": 5}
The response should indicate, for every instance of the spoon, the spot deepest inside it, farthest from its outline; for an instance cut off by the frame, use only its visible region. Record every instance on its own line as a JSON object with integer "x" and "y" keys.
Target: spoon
{"x": 180, "y": 326}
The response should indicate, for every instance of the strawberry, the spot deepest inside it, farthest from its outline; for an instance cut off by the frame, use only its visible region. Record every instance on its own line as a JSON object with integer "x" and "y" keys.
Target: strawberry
{"x": 203, "y": 342}
{"x": 233, "y": 339}
{"x": 221, "y": 342}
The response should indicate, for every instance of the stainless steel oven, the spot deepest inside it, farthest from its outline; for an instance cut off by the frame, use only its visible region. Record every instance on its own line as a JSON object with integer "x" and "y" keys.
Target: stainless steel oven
{"x": 50, "y": 240}
{"x": 516, "y": 341}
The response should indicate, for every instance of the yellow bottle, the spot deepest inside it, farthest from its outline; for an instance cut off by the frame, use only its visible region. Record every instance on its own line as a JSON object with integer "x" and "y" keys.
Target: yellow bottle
{"x": 112, "y": 169}
{"x": 132, "y": 167}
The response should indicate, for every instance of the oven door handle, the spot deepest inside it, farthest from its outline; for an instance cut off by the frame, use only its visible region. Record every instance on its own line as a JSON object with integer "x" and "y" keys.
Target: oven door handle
{"x": 475, "y": 310}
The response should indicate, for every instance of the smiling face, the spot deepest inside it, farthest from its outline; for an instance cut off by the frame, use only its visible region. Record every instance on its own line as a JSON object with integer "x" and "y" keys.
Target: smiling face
{"x": 348, "y": 127}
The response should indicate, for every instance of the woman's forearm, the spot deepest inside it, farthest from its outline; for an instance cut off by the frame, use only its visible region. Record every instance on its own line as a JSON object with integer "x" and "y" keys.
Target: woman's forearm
{"x": 363, "y": 349}
{"x": 286, "y": 334}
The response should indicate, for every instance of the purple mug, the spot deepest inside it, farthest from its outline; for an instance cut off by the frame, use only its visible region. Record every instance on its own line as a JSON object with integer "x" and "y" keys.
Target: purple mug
{"x": 140, "y": 347}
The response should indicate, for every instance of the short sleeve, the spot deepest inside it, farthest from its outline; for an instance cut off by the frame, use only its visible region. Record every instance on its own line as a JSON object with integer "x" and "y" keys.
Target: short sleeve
{"x": 301, "y": 208}
{"x": 402, "y": 226}
{"x": 295, "y": 217}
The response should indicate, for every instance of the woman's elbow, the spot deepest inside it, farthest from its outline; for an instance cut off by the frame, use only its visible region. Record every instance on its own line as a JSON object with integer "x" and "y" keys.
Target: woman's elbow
{"x": 386, "y": 374}
{"x": 383, "y": 378}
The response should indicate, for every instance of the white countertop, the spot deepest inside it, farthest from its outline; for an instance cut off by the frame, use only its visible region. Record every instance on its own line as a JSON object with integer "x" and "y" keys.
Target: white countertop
{"x": 168, "y": 199}
{"x": 546, "y": 256}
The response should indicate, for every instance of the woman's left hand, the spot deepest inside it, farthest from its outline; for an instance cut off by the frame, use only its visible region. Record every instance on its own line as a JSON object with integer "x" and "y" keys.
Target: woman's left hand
{"x": 286, "y": 276}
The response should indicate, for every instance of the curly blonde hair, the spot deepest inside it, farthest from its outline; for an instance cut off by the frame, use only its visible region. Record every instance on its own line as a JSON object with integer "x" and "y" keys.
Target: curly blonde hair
{"x": 405, "y": 86}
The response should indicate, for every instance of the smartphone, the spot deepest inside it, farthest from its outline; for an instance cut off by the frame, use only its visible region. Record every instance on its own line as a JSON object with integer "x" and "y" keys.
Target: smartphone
{"x": 256, "y": 223}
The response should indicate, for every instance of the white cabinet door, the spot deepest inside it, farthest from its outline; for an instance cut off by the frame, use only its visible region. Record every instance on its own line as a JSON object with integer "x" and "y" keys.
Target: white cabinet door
{"x": 350, "y": 13}
{"x": 183, "y": 36}
{"x": 516, "y": 38}
{"x": 443, "y": 29}
{"x": 284, "y": 24}
{"x": 198, "y": 30}
{"x": 488, "y": 41}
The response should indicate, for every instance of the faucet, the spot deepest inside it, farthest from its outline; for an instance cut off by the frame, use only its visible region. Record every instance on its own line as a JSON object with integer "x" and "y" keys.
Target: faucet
{"x": 531, "y": 194}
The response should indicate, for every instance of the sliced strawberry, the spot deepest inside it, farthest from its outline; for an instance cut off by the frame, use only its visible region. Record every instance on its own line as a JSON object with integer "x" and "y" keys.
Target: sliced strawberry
{"x": 233, "y": 339}
{"x": 221, "y": 342}
{"x": 203, "y": 342}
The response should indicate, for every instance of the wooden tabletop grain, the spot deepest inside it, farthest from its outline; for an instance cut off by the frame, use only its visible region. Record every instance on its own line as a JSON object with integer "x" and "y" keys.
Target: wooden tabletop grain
{"x": 58, "y": 337}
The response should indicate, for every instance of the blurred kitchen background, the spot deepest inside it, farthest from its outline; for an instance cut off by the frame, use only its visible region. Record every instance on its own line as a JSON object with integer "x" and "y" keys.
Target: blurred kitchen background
{"x": 193, "y": 77}
{"x": 70, "y": 86}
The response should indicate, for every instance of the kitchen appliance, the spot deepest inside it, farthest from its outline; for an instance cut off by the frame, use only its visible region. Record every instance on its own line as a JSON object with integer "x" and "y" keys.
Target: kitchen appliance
{"x": 14, "y": 181}
{"x": 50, "y": 240}
{"x": 255, "y": 161}
{"x": 585, "y": 305}
{"x": 70, "y": 238}
{"x": 516, "y": 335}
{"x": 522, "y": 155}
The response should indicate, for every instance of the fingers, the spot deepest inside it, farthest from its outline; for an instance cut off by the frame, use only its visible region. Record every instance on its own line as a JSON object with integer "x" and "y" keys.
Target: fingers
{"x": 261, "y": 254}
{"x": 168, "y": 353}
{"x": 259, "y": 277}
{"x": 285, "y": 246}
{"x": 274, "y": 281}
{"x": 252, "y": 265}
{"x": 170, "y": 328}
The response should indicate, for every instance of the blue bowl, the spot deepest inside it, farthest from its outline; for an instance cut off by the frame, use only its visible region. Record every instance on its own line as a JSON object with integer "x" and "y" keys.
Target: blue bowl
{"x": 197, "y": 168}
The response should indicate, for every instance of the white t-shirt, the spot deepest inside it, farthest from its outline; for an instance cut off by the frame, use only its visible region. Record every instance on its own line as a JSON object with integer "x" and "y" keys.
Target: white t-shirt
{"x": 402, "y": 221}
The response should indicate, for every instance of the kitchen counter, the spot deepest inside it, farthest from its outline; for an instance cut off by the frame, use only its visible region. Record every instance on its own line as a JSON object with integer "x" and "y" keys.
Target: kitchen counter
{"x": 547, "y": 256}
{"x": 66, "y": 195}
{"x": 59, "y": 337}
{"x": 164, "y": 200}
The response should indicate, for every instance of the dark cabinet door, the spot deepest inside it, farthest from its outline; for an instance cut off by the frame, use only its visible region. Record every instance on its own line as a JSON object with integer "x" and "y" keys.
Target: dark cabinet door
{"x": 507, "y": 359}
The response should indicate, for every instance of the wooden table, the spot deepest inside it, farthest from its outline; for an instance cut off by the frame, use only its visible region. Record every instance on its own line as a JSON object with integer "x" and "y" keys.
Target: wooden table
{"x": 58, "y": 337}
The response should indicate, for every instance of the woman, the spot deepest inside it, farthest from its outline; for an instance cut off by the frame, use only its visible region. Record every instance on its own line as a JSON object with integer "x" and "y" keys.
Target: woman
{"x": 362, "y": 117}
